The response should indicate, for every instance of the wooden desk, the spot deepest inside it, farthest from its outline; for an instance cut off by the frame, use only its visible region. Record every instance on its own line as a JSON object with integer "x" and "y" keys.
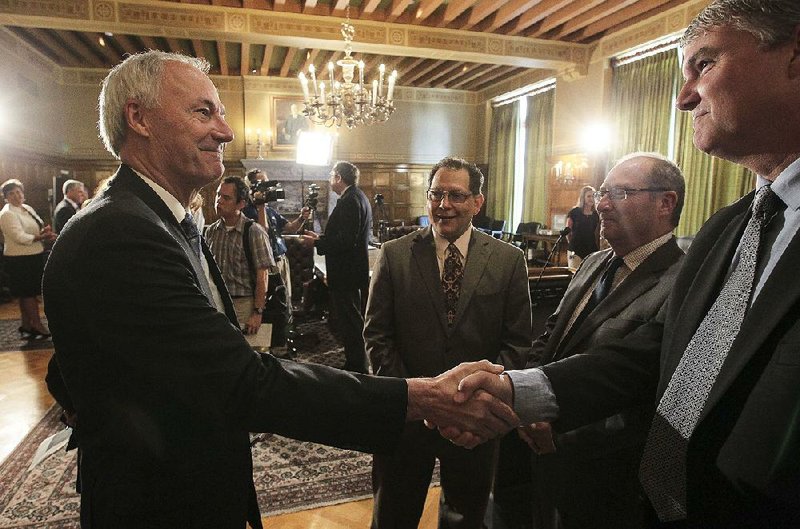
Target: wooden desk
{"x": 560, "y": 257}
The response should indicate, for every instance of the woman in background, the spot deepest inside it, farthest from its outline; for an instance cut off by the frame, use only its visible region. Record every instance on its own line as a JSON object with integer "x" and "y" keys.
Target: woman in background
{"x": 584, "y": 224}
{"x": 23, "y": 255}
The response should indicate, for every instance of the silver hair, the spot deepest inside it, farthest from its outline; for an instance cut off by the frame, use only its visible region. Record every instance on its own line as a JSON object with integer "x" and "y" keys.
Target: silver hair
{"x": 771, "y": 22}
{"x": 138, "y": 77}
{"x": 69, "y": 184}
{"x": 664, "y": 174}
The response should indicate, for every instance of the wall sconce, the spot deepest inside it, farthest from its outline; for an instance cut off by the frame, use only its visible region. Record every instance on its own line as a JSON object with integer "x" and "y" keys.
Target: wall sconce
{"x": 259, "y": 142}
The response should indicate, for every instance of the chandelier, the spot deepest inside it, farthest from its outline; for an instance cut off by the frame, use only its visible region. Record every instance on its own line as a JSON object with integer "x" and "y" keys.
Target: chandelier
{"x": 347, "y": 102}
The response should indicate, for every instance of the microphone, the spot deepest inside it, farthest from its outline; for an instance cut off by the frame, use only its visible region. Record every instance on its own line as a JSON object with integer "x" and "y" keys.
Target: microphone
{"x": 563, "y": 233}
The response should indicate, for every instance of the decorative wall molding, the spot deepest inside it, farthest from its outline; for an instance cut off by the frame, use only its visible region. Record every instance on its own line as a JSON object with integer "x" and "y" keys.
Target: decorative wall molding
{"x": 235, "y": 24}
{"x": 672, "y": 21}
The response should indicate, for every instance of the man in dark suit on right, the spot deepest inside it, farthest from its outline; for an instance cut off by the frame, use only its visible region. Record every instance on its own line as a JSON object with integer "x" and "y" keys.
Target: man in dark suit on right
{"x": 724, "y": 368}
{"x": 592, "y": 480}
{"x": 345, "y": 245}
{"x": 74, "y": 194}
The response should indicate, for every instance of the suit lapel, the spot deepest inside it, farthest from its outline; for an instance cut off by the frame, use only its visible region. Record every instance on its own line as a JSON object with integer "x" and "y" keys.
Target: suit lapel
{"x": 477, "y": 259}
{"x": 571, "y": 301}
{"x": 216, "y": 276}
{"x": 647, "y": 274}
{"x": 126, "y": 179}
{"x": 423, "y": 250}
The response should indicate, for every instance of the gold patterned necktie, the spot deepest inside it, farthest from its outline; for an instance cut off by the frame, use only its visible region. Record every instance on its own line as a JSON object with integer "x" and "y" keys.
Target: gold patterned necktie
{"x": 452, "y": 275}
{"x": 663, "y": 468}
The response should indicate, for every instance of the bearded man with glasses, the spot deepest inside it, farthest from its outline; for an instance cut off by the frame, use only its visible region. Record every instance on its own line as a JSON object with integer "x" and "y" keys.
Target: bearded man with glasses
{"x": 441, "y": 296}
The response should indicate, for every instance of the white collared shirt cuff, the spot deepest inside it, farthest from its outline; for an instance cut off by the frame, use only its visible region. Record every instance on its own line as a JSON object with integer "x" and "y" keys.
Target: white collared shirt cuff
{"x": 534, "y": 400}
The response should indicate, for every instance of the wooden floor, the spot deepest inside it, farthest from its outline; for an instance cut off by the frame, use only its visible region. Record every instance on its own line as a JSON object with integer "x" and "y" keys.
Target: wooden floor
{"x": 24, "y": 400}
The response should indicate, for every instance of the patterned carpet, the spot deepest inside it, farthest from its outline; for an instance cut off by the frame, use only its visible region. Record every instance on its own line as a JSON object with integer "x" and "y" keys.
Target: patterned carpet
{"x": 289, "y": 475}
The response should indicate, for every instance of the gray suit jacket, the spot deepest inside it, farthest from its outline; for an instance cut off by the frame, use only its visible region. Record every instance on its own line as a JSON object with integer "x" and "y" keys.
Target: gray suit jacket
{"x": 406, "y": 330}
{"x": 635, "y": 301}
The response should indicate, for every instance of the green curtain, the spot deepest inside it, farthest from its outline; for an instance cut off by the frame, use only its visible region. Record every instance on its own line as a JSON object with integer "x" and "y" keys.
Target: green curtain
{"x": 502, "y": 149}
{"x": 538, "y": 148}
{"x": 711, "y": 183}
{"x": 643, "y": 94}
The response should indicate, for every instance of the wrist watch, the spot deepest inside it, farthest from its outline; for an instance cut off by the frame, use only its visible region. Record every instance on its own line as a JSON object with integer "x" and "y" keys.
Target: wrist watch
{"x": 258, "y": 310}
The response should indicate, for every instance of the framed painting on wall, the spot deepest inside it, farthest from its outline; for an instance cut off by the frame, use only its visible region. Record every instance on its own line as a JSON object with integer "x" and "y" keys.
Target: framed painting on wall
{"x": 287, "y": 121}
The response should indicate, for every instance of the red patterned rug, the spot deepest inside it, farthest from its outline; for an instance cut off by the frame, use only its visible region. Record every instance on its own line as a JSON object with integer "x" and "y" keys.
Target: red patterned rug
{"x": 289, "y": 475}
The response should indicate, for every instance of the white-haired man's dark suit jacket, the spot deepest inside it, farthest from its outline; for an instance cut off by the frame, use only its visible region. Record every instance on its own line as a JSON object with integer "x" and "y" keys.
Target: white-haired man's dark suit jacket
{"x": 166, "y": 388}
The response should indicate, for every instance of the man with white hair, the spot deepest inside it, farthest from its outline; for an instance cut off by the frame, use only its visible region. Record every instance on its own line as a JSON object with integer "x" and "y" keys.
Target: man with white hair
{"x": 149, "y": 356}
{"x": 74, "y": 194}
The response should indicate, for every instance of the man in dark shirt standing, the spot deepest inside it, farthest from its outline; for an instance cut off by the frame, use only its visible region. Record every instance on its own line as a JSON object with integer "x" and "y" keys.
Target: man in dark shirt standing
{"x": 344, "y": 245}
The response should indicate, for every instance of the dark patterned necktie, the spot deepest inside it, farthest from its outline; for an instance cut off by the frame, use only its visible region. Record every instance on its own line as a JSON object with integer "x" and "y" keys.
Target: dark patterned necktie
{"x": 452, "y": 275}
{"x": 192, "y": 235}
{"x": 599, "y": 293}
{"x": 663, "y": 468}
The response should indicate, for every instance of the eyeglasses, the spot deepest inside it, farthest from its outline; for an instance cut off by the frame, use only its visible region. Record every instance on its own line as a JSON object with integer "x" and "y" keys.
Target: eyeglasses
{"x": 455, "y": 197}
{"x": 621, "y": 193}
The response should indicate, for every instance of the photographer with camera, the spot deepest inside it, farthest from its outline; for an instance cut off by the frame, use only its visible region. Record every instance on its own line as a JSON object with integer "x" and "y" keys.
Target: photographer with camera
{"x": 345, "y": 245}
{"x": 262, "y": 192}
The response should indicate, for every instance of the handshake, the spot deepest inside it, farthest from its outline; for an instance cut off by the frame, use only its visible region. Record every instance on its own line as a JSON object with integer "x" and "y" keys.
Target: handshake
{"x": 472, "y": 403}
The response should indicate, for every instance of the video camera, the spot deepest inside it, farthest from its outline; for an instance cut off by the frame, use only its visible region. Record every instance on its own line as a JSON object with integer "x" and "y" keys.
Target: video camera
{"x": 313, "y": 197}
{"x": 264, "y": 191}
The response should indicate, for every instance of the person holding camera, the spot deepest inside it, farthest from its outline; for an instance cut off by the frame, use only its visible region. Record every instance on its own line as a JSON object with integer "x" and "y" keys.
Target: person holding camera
{"x": 259, "y": 210}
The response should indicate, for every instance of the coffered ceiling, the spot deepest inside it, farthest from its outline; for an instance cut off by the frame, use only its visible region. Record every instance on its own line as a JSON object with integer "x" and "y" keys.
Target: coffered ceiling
{"x": 459, "y": 44}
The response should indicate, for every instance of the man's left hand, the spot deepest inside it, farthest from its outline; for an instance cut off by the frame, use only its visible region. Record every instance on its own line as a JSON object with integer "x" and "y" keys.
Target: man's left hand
{"x": 253, "y": 324}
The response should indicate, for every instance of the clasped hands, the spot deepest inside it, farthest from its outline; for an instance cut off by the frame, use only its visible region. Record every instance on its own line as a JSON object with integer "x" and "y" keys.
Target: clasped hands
{"x": 475, "y": 405}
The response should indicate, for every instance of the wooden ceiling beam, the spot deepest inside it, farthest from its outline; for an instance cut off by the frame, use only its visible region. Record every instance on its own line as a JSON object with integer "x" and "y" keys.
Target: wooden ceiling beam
{"x": 370, "y": 6}
{"x": 311, "y": 56}
{"x": 426, "y": 9}
{"x": 129, "y": 43}
{"x": 55, "y": 47}
{"x": 222, "y": 53}
{"x": 456, "y": 7}
{"x": 411, "y": 78}
{"x": 197, "y": 45}
{"x": 244, "y": 60}
{"x": 291, "y": 53}
{"x": 510, "y": 11}
{"x": 593, "y": 15}
{"x": 88, "y": 53}
{"x": 544, "y": 9}
{"x": 434, "y": 80}
{"x": 175, "y": 45}
{"x": 106, "y": 51}
{"x": 397, "y": 9}
{"x": 407, "y": 65}
{"x": 631, "y": 11}
{"x": 470, "y": 76}
{"x": 266, "y": 60}
{"x": 564, "y": 15}
{"x": 483, "y": 10}
{"x": 150, "y": 42}
{"x": 490, "y": 77}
